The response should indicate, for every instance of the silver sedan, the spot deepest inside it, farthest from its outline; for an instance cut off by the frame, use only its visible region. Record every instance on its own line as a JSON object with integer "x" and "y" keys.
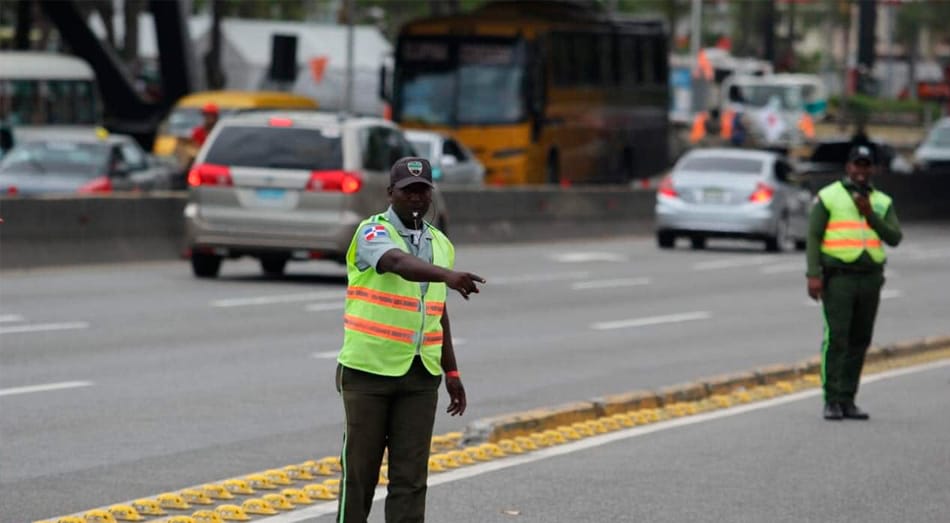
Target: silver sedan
{"x": 732, "y": 193}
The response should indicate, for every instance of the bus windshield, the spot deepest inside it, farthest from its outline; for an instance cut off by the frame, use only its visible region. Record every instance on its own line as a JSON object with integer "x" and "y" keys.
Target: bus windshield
{"x": 49, "y": 102}
{"x": 789, "y": 97}
{"x": 461, "y": 82}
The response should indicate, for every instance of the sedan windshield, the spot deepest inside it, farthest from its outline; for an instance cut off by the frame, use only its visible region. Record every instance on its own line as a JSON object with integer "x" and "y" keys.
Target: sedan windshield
{"x": 84, "y": 160}
{"x": 278, "y": 147}
{"x": 722, "y": 164}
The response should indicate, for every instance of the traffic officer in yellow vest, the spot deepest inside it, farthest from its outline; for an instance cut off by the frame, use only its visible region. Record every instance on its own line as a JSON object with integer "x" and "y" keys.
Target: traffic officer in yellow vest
{"x": 845, "y": 271}
{"x": 397, "y": 344}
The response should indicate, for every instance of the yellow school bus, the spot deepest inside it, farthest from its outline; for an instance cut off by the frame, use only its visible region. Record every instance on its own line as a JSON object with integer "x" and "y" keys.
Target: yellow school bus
{"x": 541, "y": 92}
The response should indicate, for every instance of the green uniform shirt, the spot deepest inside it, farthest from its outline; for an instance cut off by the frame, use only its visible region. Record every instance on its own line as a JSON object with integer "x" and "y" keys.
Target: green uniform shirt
{"x": 888, "y": 229}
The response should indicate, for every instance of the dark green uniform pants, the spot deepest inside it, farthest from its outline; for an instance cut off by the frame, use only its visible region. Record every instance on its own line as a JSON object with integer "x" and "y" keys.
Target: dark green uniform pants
{"x": 381, "y": 412}
{"x": 850, "y": 304}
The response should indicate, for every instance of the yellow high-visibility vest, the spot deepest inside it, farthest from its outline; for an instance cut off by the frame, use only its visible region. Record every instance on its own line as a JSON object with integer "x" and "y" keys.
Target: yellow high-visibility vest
{"x": 388, "y": 319}
{"x": 848, "y": 234}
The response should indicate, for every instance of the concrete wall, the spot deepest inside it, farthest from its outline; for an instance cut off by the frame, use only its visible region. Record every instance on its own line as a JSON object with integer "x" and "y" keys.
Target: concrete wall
{"x": 67, "y": 231}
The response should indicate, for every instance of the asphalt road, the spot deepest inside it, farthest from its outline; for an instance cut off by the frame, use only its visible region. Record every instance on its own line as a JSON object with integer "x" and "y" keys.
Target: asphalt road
{"x": 119, "y": 382}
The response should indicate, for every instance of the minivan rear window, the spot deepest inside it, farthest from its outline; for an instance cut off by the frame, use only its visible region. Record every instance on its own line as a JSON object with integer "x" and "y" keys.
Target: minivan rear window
{"x": 722, "y": 165}
{"x": 278, "y": 148}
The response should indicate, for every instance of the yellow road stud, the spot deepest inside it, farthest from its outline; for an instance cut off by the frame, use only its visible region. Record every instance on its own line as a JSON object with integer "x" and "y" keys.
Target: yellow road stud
{"x": 492, "y": 450}
{"x": 237, "y": 486}
{"x": 526, "y": 443}
{"x": 596, "y": 425}
{"x": 742, "y": 396}
{"x": 554, "y": 437}
{"x": 198, "y": 497}
{"x": 149, "y": 507}
{"x": 125, "y": 513}
{"x": 318, "y": 491}
{"x": 457, "y": 458}
{"x": 278, "y": 501}
{"x": 510, "y": 446}
{"x": 172, "y": 500}
{"x": 297, "y": 472}
{"x": 296, "y": 496}
{"x": 232, "y": 513}
{"x": 333, "y": 462}
{"x": 260, "y": 481}
{"x": 316, "y": 468}
{"x": 258, "y": 506}
{"x": 98, "y": 516}
{"x": 582, "y": 429}
{"x": 448, "y": 461}
{"x": 216, "y": 491}
{"x": 569, "y": 432}
{"x": 721, "y": 400}
{"x": 70, "y": 519}
{"x": 435, "y": 465}
{"x": 624, "y": 420}
{"x": 610, "y": 424}
{"x": 207, "y": 516}
{"x": 333, "y": 484}
{"x": 785, "y": 386}
{"x": 278, "y": 477}
{"x": 179, "y": 519}
{"x": 477, "y": 453}
{"x": 539, "y": 440}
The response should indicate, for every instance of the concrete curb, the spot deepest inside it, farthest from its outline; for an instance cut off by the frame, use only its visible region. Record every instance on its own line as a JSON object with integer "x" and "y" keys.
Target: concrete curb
{"x": 510, "y": 426}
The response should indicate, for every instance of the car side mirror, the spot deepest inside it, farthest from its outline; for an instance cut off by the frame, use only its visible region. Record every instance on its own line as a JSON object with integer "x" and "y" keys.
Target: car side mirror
{"x": 448, "y": 160}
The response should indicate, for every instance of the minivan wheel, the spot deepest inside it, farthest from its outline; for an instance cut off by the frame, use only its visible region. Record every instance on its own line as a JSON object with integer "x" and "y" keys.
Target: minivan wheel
{"x": 698, "y": 242}
{"x": 779, "y": 242}
{"x": 665, "y": 240}
{"x": 205, "y": 265}
{"x": 273, "y": 265}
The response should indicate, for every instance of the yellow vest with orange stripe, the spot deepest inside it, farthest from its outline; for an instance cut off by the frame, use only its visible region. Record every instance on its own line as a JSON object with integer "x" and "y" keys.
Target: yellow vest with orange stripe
{"x": 387, "y": 318}
{"x": 848, "y": 234}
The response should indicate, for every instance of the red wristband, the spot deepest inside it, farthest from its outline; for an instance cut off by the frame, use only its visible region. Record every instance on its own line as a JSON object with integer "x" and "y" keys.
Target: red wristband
{"x": 452, "y": 374}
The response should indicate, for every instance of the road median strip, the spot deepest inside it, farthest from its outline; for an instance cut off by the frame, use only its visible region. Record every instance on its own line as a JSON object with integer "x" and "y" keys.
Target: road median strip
{"x": 275, "y": 491}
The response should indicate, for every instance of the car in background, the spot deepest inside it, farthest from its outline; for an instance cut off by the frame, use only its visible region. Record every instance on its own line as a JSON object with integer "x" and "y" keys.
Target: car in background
{"x": 78, "y": 160}
{"x": 281, "y": 186}
{"x": 829, "y": 157}
{"x": 732, "y": 193}
{"x": 933, "y": 155}
{"x": 452, "y": 162}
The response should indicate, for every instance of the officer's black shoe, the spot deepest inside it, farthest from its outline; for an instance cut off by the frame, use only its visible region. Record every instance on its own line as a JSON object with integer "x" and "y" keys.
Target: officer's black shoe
{"x": 851, "y": 411}
{"x": 833, "y": 411}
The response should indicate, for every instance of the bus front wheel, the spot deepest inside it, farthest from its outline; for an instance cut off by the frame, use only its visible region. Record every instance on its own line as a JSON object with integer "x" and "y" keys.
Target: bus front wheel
{"x": 552, "y": 169}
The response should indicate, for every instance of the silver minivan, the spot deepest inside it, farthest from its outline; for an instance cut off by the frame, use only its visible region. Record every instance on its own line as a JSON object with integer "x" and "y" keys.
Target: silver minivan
{"x": 282, "y": 186}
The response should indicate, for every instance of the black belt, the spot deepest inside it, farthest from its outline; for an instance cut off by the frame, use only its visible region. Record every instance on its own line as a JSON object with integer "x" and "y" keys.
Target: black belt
{"x": 837, "y": 271}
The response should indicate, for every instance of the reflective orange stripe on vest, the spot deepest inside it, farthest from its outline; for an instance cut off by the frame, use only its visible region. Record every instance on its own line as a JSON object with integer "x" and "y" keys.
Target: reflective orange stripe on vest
{"x": 831, "y": 244}
{"x": 435, "y": 308}
{"x": 382, "y": 298}
{"x": 846, "y": 225}
{"x": 378, "y": 329}
{"x": 432, "y": 338}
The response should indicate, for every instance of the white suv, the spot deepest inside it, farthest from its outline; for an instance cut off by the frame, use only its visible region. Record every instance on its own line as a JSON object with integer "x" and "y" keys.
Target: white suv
{"x": 283, "y": 186}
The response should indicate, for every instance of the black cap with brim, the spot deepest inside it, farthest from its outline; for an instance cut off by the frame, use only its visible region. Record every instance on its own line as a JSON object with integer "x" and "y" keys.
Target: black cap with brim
{"x": 410, "y": 170}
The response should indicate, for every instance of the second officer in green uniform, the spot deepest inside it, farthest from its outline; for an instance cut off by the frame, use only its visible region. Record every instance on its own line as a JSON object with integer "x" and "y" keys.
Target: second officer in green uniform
{"x": 846, "y": 257}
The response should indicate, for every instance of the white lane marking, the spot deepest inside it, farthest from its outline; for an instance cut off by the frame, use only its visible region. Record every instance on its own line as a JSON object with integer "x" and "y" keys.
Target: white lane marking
{"x": 10, "y": 318}
{"x": 320, "y": 307}
{"x": 784, "y": 267}
{"x": 652, "y": 320}
{"x": 729, "y": 263}
{"x": 44, "y": 327}
{"x": 43, "y": 388}
{"x": 584, "y": 257}
{"x": 599, "y": 441}
{"x": 325, "y": 355}
{"x": 271, "y": 300}
{"x": 533, "y": 278}
{"x": 603, "y": 284}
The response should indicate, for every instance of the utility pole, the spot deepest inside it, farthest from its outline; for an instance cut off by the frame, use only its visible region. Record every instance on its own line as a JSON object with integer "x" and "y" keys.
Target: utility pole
{"x": 348, "y": 76}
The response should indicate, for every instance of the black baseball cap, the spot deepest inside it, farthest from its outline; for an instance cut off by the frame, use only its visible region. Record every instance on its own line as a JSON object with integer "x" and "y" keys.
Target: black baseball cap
{"x": 861, "y": 153}
{"x": 410, "y": 170}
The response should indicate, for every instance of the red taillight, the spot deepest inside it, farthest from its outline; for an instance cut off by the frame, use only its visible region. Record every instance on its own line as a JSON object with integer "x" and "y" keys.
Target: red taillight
{"x": 762, "y": 194}
{"x": 209, "y": 174}
{"x": 342, "y": 181}
{"x": 666, "y": 188}
{"x": 278, "y": 121}
{"x": 96, "y": 185}
{"x": 12, "y": 190}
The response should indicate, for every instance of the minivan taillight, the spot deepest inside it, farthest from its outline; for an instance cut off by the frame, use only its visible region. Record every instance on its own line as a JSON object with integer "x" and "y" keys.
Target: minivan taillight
{"x": 762, "y": 194}
{"x": 96, "y": 185}
{"x": 339, "y": 181}
{"x": 209, "y": 174}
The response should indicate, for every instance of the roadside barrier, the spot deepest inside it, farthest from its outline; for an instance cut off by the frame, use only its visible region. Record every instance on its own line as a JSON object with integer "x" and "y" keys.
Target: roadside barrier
{"x": 124, "y": 228}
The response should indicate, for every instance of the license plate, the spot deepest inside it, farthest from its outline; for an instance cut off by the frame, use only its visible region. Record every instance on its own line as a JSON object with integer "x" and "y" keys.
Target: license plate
{"x": 270, "y": 194}
{"x": 713, "y": 195}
